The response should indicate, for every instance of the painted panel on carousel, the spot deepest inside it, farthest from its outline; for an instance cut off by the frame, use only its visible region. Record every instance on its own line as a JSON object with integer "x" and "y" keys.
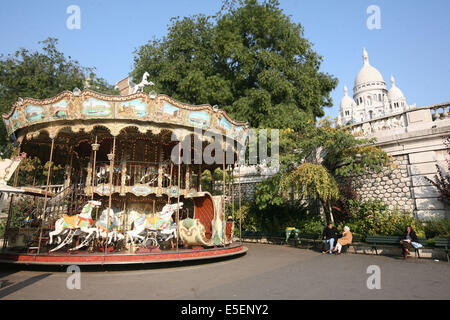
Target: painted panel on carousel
{"x": 200, "y": 119}
{"x": 132, "y": 109}
{"x": 59, "y": 110}
{"x": 34, "y": 113}
{"x": 141, "y": 190}
{"x": 172, "y": 191}
{"x": 15, "y": 121}
{"x": 96, "y": 108}
{"x": 223, "y": 123}
{"x": 169, "y": 111}
{"x": 103, "y": 189}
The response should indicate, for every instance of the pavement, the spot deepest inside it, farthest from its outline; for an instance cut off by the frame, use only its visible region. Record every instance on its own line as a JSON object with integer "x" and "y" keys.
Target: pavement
{"x": 268, "y": 272}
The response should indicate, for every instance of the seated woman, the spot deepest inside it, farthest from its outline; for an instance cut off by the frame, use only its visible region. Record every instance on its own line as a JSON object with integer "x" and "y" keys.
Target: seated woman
{"x": 406, "y": 241}
{"x": 344, "y": 240}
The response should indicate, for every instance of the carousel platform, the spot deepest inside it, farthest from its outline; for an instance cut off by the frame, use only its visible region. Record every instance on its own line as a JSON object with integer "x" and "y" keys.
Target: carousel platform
{"x": 83, "y": 258}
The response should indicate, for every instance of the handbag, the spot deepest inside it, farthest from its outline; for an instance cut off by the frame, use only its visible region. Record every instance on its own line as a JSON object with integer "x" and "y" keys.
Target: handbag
{"x": 416, "y": 245}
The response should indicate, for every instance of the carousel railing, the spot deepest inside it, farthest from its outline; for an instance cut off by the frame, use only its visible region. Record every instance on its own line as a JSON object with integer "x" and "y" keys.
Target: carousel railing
{"x": 133, "y": 173}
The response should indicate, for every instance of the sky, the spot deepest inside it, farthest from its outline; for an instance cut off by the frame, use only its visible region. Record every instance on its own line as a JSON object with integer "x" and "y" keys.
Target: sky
{"x": 412, "y": 41}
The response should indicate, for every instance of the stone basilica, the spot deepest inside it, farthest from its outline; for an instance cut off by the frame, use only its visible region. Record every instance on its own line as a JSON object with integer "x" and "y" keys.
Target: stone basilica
{"x": 371, "y": 99}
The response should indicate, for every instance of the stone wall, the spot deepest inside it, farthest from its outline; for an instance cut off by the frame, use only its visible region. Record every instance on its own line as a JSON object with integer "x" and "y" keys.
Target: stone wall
{"x": 391, "y": 185}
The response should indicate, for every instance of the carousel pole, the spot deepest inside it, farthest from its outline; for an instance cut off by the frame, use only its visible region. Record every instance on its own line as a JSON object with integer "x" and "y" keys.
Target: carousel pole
{"x": 240, "y": 208}
{"x": 199, "y": 178}
{"x": 69, "y": 179}
{"x": 171, "y": 173}
{"x": 111, "y": 171}
{"x": 124, "y": 219}
{"x": 178, "y": 195}
{"x": 224, "y": 193}
{"x": 95, "y": 147}
{"x": 8, "y": 221}
{"x": 46, "y": 193}
{"x": 232, "y": 191}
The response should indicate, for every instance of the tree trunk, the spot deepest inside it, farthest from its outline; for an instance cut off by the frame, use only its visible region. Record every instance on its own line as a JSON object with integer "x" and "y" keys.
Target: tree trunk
{"x": 331, "y": 212}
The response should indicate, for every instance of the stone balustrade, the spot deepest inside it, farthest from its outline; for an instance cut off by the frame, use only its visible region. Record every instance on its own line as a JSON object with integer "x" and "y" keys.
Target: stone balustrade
{"x": 397, "y": 123}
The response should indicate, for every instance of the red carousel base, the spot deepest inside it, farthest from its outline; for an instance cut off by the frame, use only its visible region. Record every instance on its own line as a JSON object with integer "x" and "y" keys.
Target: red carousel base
{"x": 121, "y": 258}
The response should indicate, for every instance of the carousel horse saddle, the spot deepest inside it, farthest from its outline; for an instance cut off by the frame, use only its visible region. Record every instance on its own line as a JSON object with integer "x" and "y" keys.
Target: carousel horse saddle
{"x": 76, "y": 221}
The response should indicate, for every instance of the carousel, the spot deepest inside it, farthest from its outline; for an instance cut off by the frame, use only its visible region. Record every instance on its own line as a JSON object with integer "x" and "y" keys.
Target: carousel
{"x": 128, "y": 193}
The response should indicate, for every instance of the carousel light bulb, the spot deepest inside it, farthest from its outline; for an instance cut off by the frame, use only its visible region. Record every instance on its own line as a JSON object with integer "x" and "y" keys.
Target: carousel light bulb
{"x": 152, "y": 94}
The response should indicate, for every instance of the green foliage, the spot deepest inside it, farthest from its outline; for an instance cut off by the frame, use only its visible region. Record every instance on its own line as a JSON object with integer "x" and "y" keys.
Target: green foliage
{"x": 312, "y": 180}
{"x": 268, "y": 193}
{"x": 437, "y": 228}
{"x": 311, "y": 225}
{"x": 249, "y": 59}
{"x": 2, "y": 228}
{"x": 20, "y": 211}
{"x": 32, "y": 172}
{"x": 272, "y": 218}
{"x": 41, "y": 74}
{"x": 372, "y": 217}
{"x": 343, "y": 154}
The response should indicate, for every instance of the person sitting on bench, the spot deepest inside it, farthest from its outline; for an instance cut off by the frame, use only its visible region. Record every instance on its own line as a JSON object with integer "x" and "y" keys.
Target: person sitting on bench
{"x": 406, "y": 241}
{"x": 329, "y": 238}
{"x": 346, "y": 239}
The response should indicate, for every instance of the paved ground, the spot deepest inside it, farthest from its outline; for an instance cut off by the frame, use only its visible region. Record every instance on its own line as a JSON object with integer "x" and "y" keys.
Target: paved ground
{"x": 265, "y": 272}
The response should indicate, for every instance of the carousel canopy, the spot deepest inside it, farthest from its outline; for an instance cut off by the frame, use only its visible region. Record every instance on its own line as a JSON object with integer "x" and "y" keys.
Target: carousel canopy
{"x": 86, "y": 109}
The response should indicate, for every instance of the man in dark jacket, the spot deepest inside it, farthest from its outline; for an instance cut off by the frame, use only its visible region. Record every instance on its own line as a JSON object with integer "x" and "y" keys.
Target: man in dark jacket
{"x": 329, "y": 236}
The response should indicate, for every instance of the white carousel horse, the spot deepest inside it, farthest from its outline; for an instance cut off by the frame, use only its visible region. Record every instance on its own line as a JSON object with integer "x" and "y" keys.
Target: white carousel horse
{"x": 101, "y": 231}
{"x": 103, "y": 174}
{"x": 143, "y": 83}
{"x": 161, "y": 223}
{"x": 75, "y": 224}
{"x": 150, "y": 173}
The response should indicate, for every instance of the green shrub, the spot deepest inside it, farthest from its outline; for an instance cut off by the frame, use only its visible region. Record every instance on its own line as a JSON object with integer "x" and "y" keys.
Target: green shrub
{"x": 2, "y": 229}
{"x": 437, "y": 228}
{"x": 312, "y": 225}
{"x": 372, "y": 217}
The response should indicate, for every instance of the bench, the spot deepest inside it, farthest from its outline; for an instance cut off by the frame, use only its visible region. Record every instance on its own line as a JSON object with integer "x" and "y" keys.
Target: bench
{"x": 275, "y": 237}
{"x": 356, "y": 238}
{"x": 256, "y": 235}
{"x": 311, "y": 237}
{"x": 443, "y": 243}
{"x": 391, "y": 240}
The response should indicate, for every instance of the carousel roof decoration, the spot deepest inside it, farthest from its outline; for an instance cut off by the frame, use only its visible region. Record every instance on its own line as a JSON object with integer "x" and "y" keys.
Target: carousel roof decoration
{"x": 84, "y": 110}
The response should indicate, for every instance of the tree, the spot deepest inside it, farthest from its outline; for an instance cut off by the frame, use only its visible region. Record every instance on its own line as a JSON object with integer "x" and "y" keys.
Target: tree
{"x": 311, "y": 159}
{"x": 41, "y": 74}
{"x": 250, "y": 59}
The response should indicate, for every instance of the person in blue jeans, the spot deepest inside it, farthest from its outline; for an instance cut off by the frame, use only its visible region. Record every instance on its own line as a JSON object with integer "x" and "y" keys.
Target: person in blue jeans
{"x": 329, "y": 237}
